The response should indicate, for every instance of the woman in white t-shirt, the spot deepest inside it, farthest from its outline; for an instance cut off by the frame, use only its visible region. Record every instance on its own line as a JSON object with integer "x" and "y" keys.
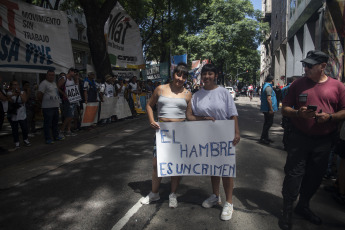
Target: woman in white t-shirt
{"x": 215, "y": 103}
{"x": 17, "y": 116}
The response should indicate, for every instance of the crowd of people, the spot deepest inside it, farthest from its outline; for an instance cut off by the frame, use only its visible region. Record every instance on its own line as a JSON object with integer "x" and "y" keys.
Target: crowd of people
{"x": 313, "y": 109}
{"x": 61, "y": 99}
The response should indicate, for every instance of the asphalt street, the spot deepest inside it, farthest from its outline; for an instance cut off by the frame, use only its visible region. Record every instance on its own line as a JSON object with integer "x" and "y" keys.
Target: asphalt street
{"x": 96, "y": 179}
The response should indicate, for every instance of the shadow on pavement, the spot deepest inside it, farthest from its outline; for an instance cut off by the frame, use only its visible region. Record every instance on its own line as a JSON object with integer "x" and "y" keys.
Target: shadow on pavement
{"x": 255, "y": 201}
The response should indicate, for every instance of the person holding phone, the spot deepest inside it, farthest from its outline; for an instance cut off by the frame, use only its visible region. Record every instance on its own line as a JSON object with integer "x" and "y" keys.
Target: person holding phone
{"x": 315, "y": 104}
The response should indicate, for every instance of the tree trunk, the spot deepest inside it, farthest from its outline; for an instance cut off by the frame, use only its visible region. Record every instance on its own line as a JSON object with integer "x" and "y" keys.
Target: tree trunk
{"x": 95, "y": 19}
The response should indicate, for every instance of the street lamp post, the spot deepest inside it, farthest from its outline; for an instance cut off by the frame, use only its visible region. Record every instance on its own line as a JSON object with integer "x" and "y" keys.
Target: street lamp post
{"x": 236, "y": 77}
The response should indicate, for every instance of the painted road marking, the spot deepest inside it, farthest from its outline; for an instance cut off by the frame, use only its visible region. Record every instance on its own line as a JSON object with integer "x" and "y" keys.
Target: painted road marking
{"x": 123, "y": 221}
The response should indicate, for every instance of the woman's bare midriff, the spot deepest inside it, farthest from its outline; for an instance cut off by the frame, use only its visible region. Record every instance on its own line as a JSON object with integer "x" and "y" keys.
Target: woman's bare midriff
{"x": 163, "y": 119}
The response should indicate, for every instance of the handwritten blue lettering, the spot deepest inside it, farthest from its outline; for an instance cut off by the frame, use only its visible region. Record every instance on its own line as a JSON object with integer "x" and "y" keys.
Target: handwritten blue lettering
{"x": 169, "y": 168}
{"x": 214, "y": 149}
{"x": 203, "y": 147}
{"x": 161, "y": 168}
{"x": 174, "y": 141}
{"x": 164, "y": 135}
{"x": 193, "y": 151}
{"x": 184, "y": 150}
{"x": 194, "y": 169}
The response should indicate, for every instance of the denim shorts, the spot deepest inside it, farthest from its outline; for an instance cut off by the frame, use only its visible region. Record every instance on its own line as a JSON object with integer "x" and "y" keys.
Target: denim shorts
{"x": 68, "y": 109}
{"x": 154, "y": 152}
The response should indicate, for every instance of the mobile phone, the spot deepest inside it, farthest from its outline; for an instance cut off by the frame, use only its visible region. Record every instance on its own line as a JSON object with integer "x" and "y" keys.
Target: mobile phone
{"x": 312, "y": 107}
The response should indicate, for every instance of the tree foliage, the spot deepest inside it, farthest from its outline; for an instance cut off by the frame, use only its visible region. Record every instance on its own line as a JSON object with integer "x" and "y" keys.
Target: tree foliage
{"x": 227, "y": 32}
{"x": 230, "y": 38}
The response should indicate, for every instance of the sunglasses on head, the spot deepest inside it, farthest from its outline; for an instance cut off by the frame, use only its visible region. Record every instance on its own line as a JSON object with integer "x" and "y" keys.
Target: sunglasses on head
{"x": 304, "y": 64}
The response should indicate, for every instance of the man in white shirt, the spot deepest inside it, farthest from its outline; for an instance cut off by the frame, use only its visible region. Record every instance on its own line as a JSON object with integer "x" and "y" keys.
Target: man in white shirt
{"x": 48, "y": 95}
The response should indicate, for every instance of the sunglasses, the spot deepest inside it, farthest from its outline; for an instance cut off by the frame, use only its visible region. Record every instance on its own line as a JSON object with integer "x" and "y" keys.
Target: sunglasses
{"x": 310, "y": 66}
{"x": 181, "y": 74}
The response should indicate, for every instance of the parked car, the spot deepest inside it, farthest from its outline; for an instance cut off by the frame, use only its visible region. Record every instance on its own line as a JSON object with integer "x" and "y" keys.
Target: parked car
{"x": 232, "y": 92}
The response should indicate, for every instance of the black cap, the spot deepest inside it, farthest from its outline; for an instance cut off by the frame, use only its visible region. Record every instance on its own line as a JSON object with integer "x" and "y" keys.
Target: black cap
{"x": 316, "y": 57}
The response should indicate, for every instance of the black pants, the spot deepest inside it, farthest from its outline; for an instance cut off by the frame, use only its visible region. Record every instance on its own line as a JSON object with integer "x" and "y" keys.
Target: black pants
{"x": 306, "y": 163}
{"x": 268, "y": 122}
{"x": 15, "y": 126}
{"x": 2, "y": 115}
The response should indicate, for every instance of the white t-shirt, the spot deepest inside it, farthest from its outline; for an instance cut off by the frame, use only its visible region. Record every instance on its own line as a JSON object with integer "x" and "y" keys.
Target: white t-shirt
{"x": 109, "y": 90}
{"x": 134, "y": 86}
{"x": 51, "y": 98}
{"x": 122, "y": 92}
{"x": 216, "y": 103}
{"x": 21, "y": 112}
{"x": 69, "y": 82}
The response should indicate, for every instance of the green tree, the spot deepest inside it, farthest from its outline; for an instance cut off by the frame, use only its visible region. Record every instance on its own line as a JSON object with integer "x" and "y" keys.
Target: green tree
{"x": 230, "y": 37}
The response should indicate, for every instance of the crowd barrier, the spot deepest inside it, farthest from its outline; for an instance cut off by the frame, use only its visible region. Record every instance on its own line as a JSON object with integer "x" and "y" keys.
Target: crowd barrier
{"x": 95, "y": 111}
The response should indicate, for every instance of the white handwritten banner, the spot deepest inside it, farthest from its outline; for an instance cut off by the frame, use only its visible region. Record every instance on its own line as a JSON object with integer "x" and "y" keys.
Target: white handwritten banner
{"x": 196, "y": 148}
{"x": 33, "y": 39}
{"x": 73, "y": 93}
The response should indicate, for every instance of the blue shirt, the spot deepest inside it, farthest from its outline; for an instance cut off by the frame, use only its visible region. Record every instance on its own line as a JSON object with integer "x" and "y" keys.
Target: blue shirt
{"x": 264, "y": 103}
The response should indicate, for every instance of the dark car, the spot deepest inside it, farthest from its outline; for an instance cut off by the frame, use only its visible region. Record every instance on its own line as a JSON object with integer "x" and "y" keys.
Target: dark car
{"x": 243, "y": 91}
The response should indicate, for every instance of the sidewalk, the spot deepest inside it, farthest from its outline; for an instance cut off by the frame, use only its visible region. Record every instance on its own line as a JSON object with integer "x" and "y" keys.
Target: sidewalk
{"x": 28, "y": 162}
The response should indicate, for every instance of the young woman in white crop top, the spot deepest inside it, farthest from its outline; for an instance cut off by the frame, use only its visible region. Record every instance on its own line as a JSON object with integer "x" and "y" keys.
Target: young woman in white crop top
{"x": 172, "y": 100}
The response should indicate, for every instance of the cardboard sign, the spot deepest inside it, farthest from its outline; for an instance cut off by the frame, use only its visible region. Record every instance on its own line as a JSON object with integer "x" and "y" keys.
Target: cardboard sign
{"x": 90, "y": 114}
{"x": 196, "y": 148}
{"x": 73, "y": 93}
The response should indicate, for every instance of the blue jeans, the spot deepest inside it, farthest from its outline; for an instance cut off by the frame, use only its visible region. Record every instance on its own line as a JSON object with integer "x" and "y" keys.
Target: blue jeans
{"x": 51, "y": 119}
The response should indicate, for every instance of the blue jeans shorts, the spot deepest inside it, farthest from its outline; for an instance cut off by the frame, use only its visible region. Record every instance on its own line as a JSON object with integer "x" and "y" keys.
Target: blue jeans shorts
{"x": 68, "y": 109}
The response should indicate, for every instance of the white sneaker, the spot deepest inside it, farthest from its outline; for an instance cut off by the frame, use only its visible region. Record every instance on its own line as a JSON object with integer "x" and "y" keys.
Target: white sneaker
{"x": 227, "y": 211}
{"x": 150, "y": 198}
{"x": 61, "y": 136}
{"x": 70, "y": 134}
{"x": 27, "y": 143}
{"x": 172, "y": 200}
{"x": 212, "y": 200}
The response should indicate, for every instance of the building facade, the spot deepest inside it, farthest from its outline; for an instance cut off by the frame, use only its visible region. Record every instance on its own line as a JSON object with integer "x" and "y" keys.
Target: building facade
{"x": 298, "y": 26}
{"x": 266, "y": 45}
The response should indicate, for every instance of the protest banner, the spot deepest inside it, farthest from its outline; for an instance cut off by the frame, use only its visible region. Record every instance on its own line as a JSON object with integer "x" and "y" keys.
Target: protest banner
{"x": 90, "y": 114}
{"x": 108, "y": 107}
{"x": 124, "y": 40}
{"x": 73, "y": 93}
{"x": 126, "y": 74}
{"x": 196, "y": 148}
{"x": 29, "y": 41}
